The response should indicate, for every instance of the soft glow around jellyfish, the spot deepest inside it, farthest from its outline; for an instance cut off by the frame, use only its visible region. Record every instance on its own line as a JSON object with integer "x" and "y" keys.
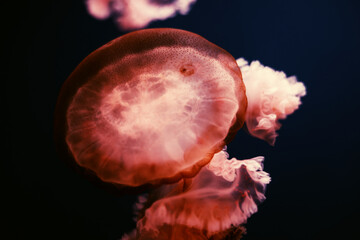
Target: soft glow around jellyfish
{"x": 136, "y": 14}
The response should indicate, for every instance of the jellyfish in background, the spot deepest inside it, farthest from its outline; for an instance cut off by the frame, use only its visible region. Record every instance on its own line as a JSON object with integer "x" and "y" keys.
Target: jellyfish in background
{"x": 136, "y": 14}
{"x": 156, "y": 108}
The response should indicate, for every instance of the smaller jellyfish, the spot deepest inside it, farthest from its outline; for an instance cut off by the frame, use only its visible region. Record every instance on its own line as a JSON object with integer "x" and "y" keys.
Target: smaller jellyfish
{"x": 136, "y": 14}
{"x": 222, "y": 195}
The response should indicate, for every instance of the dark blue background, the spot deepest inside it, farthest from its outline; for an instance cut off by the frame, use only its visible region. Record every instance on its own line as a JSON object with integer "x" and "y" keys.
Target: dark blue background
{"x": 314, "y": 193}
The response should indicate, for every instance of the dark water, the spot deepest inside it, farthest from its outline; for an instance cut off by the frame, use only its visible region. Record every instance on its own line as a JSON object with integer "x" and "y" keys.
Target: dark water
{"x": 314, "y": 193}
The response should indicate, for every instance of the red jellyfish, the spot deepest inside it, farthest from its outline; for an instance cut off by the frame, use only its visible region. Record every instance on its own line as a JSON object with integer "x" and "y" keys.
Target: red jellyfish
{"x": 152, "y": 106}
{"x": 156, "y": 107}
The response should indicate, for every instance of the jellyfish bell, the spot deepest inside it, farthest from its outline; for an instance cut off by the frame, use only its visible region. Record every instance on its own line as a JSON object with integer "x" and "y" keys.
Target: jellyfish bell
{"x": 150, "y": 107}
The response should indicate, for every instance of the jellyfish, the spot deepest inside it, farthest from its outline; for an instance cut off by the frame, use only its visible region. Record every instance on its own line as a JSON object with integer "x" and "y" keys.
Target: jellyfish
{"x": 156, "y": 108}
{"x": 136, "y": 14}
